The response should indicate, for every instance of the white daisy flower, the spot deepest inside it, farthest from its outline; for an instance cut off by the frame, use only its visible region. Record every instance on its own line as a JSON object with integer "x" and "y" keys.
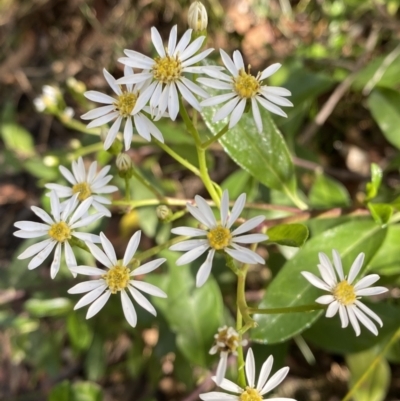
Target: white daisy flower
{"x": 344, "y": 294}
{"x": 117, "y": 278}
{"x": 124, "y": 106}
{"x": 251, "y": 392}
{"x": 58, "y": 229}
{"x": 91, "y": 184}
{"x": 219, "y": 236}
{"x": 167, "y": 72}
{"x": 244, "y": 88}
{"x": 226, "y": 342}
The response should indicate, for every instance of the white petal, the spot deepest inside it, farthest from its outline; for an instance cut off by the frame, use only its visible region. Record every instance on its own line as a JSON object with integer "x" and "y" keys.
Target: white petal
{"x": 270, "y": 70}
{"x": 192, "y": 48}
{"x": 108, "y": 249}
{"x": 88, "y": 270}
{"x": 69, "y": 206}
{"x": 112, "y": 133}
{"x": 271, "y": 107}
{"x": 250, "y": 238}
{"x": 134, "y": 79}
{"x": 61, "y": 190}
{"x": 182, "y": 44}
{"x": 85, "y": 286}
{"x": 129, "y": 309}
{"x": 218, "y": 396}
{"x": 67, "y": 175}
{"x": 103, "y": 120}
{"x": 55, "y": 206}
{"x": 280, "y": 101}
{"x": 55, "y": 265}
{"x": 148, "y": 267}
{"x": 194, "y": 88}
{"x": 98, "y": 305}
{"x": 326, "y": 275}
{"x": 190, "y": 231}
{"x": 188, "y": 96}
{"x": 353, "y": 320}
{"x": 41, "y": 256}
{"x": 229, "y": 63}
{"x": 198, "y": 215}
{"x": 213, "y": 101}
{"x": 87, "y": 237}
{"x": 366, "y": 281}
{"x": 99, "y": 97}
{"x": 148, "y": 288}
{"x": 145, "y": 96}
{"x": 237, "y": 209}
{"x": 196, "y": 59}
{"x": 206, "y": 211}
{"x": 142, "y": 127}
{"x": 226, "y": 109}
{"x": 112, "y": 82}
{"x": 131, "y": 247}
{"x": 237, "y": 113}
{"x": 250, "y": 367}
{"x": 142, "y": 301}
{"x": 369, "y": 312}
{"x": 265, "y": 372}
{"x": 221, "y": 368}
{"x": 34, "y": 249}
{"x": 325, "y": 299}
{"x": 344, "y": 318}
{"x": 30, "y": 234}
{"x": 276, "y": 90}
{"x": 129, "y": 71}
{"x": 188, "y": 245}
{"x": 248, "y": 225}
{"x": 157, "y": 41}
{"x": 155, "y": 95}
{"x": 224, "y": 209}
{"x": 315, "y": 281}
{"x": 192, "y": 255}
{"x": 216, "y": 73}
{"x": 356, "y": 267}
{"x": 332, "y": 309}
{"x": 244, "y": 255}
{"x": 275, "y": 380}
{"x": 173, "y": 102}
{"x": 214, "y": 83}
{"x": 90, "y": 296}
{"x": 128, "y": 133}
{"x": 205, "y": 269}
{"x": 172, "y": 40}
{"x": 371, "y": 291}
{"x": 337, "y": 261}
{"x": 365, "y": 320}
{"x": 238, "y": 60}
{"x": 152, "y": 128}
{"x": 80, "y": 211}
{"x": 256, "y": 114}
{"x": 230, "y": 386}
{"x": 87, "y": 220}
{"x": 134, "y": 55}
{"x": 99, "y": 255}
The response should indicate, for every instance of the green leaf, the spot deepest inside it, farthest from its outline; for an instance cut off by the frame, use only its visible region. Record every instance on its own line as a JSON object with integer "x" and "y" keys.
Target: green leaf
{"x": 96, "y": 359}
{"x": 61, "y": 392}
{"x": 86, "y": 391}
{"x": 194, "y": 314}
{"x": 17, "y": 139}
{"x": 290, "y": 288}
{"x": 380, "y": 212}
{"x": 79, "y": 331}
{"x": 384, "y": 105}
{"x": 327, "y": 192}
{"x": 48, "y": 307}
{"x": 375, "y": 386}
{"x": 288, "y": 234}
{"x": 372, "y": 187}
{"x": 344, "y": 341}
{"x": 264, "y": 155}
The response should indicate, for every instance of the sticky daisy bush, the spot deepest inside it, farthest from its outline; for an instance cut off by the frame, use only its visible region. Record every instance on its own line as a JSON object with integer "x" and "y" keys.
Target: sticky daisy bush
{"x": 162, "y": 265}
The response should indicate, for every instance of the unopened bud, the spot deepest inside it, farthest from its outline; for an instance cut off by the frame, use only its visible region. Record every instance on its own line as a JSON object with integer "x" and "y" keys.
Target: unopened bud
{"x": 75, "y": 85}
{"x": 197, "y": 17}
{"x": 123, "y": 162}
{"x": 163, "y": 212}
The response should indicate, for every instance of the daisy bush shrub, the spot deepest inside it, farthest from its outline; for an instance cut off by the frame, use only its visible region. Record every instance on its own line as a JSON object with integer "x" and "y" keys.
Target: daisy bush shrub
{"x": 211, "y": 265}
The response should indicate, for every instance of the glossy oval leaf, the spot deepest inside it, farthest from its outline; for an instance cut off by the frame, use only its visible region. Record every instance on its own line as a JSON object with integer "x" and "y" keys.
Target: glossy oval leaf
{"x": 327, "y": 192}
{"x": 288, "y": 234}
{"x": 290, "y": 288}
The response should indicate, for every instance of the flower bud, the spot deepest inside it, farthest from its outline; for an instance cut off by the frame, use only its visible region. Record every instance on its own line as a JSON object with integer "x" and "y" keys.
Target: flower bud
{"x": 123, "y": 162}
{"x": 163, "y": 212}
{"x": 197, "y": 17}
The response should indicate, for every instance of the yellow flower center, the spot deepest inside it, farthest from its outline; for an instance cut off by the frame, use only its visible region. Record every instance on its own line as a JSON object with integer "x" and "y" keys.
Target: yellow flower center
{"x": 125, "y": 104}
{"x": 84, "y": 190}
{"x": 60, "y": 231}
{"x": 117, "y": 278}
{"x": 167, "y": 69}
{"x": 245, "y": 85}
{"x": 344, "y": 293}
{"x": 250, "y": 394}
{"x": 219, "y": 237}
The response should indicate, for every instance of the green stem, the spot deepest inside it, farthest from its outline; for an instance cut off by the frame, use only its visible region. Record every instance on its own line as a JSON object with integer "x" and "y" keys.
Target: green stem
{"x": 215, "y": 138}
{"x": 240, "y": 358}
{"x": 147, "y": 184}
{"x": 78, "y": 126}
{"x": 127, "y": 189}
{"x": 289, "y": 309}
{"x": 79, "y": 243}
{"x": 188, "y": 122}
{"x": 295, "y": 199}
{"x": 95, "y": 147}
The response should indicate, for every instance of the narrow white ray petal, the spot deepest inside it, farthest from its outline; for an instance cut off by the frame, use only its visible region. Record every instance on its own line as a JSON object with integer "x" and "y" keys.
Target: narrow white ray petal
{"x": 42, "y": 214}
{"x": 136, "y": 63}
{"x": 206, "y": 211}
{"x": 248, "y": 225}
{"x": 192, "y": 48}
{"x": 31, "y": 226}
{"x": 280, "y": 101}
{"x": 250, "y": 238}
{"x": 226, "y": 109}
{"x": 85, "y": 286}
{"x": 188, "y": 245}
{"x": 128, "y": 133}
{"x": 194, "y": 88}
{"x": 332, "y": 309}
{"x": 213, "y": 101}
{"x": 101, "y": 199}
{"x": 182, "y": 44}
{"x": 142, "y": 127}
{"x": 55, "y": 265}
{"x": 87, "y": 237}
{"x": 157, "y": 41}
{"x": 112, "y": 133}
{"x": 218, "y": 396}
{"x": 371, "y": 291}
{"x": 337, "y": 261}
{"x": 227, "y": 385}
{"x": 221, "y": 368}
{"x": 90, "y": 296}
{"x": 229, "y": 63}
{"x": 250, "y": 367}
{"x": 256, "y": 114}
{"x": 67, "y": 175}
{"x": 270, "y": 70}
{"x": 198, "y": 215}
{"x": 152, "y": 128}
{"x": 237, "y": 209}
{"x": 88, "y": 270}
{"x": 41, "y": 256}
{"x": 128, "y": 308}
{"x": 98, "y": 305}
{"x": 366, "y": 281}
{"x": 237, "y": 113}
{"x": 192, "y": 255}
{"x": 134, "y": 55}
{"x": 103, "y": 211}
{"x": 275, "y": 380}
{"x": 189, "y": 231}
{"x": 30, "y": 234}
{"x": 244, "y": 255}
{"x": 188, "y": 96}
{"x": 196, "y": 59}
{"x": 325, "y": 299}
{"x": 97, "y": 112}
{"x": 315, "y": 281}
{"x": 103, "y": 120}
{"x": 215, "y": 73}
{"x": 265, "y": 372}
{"x": 369, "y": 312}
{"x": 365, "y": 320}
{"x": 108, "y": 249}
{"x": 99, "y": 255}
{"x": 173, "y": 102}
{"x": 144, "y": 97}
{"x": 344, "y": 318}
{"x": 148, "y": 267}
{"x": 142, "y": 301}
{"x": 131, "y": 247}
{"x": 34, "y": 249}
{"x": 92, "y": 173}
{"x": 172, "y": 40}
{"x": 148, "y": 288}
{"x": 80, "y": 211}
{"x": 356, "y": 267}
{"x": 214, "y": 83}
{"x": 271, "y": 107}
{"x": 205, "y": 269}
{"x": 238, "y": 60}
{"x": 155, "y": 95}
{"x": 353, "y": 320}
{"x": 224, "y": 209}
{"x": 55, "y": 206}
{"x": 61, "y": 190}
{"x": 106, "y": 189}
{"x": 134, "y": 79}
{"x": 128, "y": 70}
{"x": 276, "y": 90}
{"x": 69, "y": 255}
{"x": 99, "y": 97}
{"x": 69, "y": 206}
{"x": 326, "y": 275}
{"x": 112, "y": 82}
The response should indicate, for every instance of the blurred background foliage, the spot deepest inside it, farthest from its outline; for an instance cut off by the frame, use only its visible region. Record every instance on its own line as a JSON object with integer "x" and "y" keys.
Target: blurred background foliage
{"x": 341, "y": 60}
